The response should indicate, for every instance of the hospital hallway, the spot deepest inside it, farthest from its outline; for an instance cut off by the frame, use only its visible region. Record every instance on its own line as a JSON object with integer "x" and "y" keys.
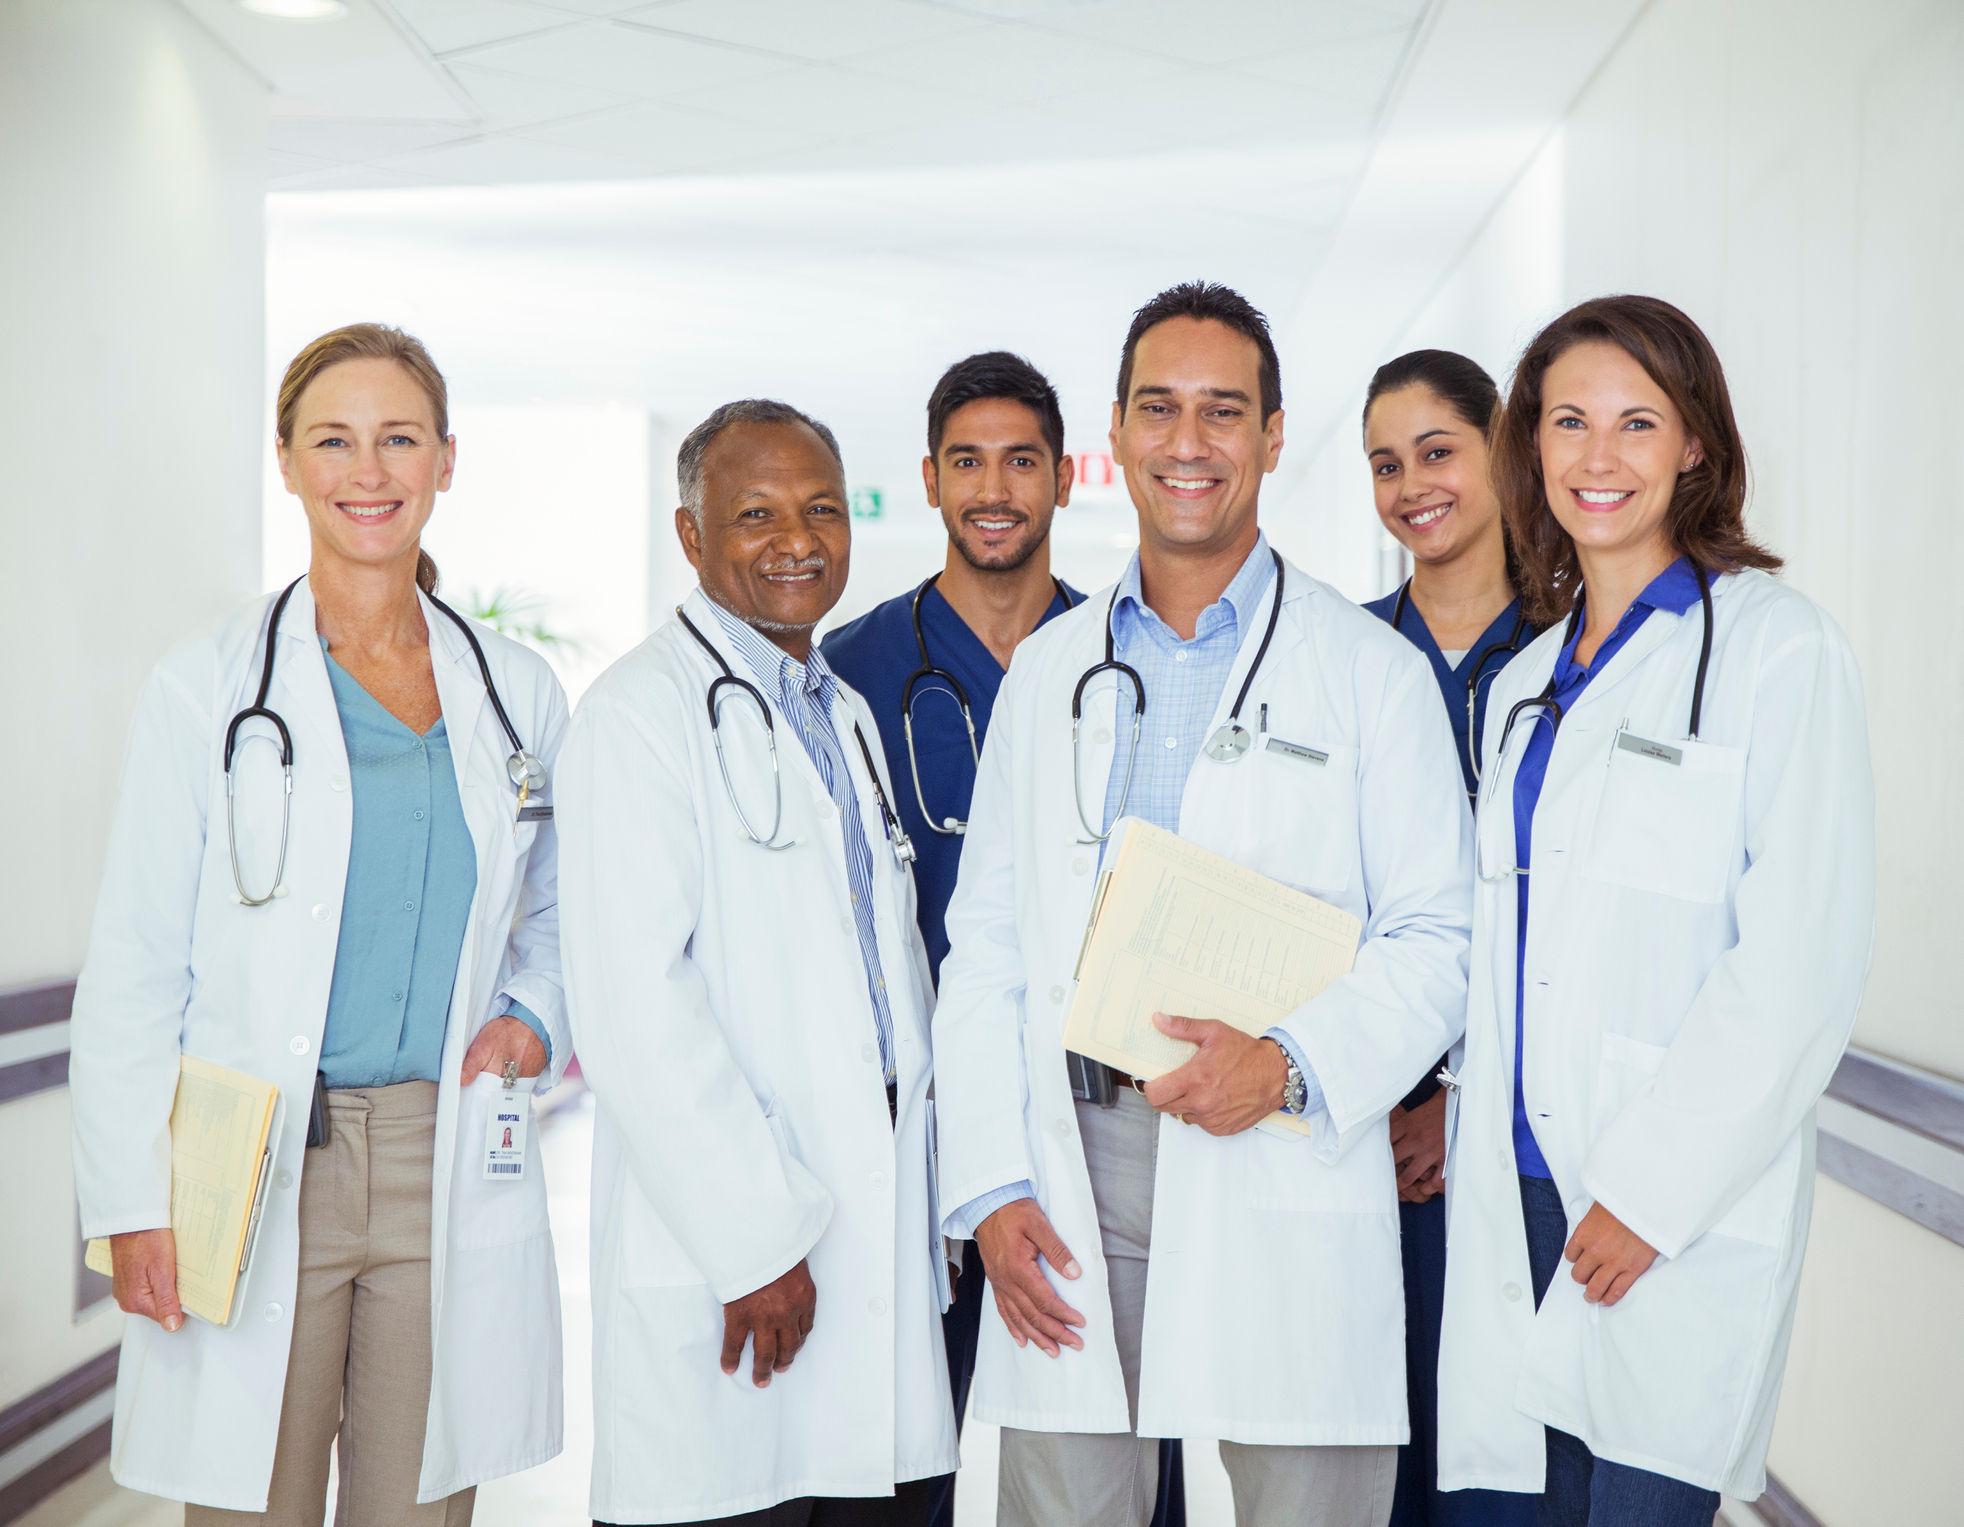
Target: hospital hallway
{"x": 606, "y": 220}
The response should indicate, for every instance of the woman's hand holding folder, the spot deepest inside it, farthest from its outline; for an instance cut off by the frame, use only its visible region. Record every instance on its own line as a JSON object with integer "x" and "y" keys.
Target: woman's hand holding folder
{"x": 146, "y": 1275}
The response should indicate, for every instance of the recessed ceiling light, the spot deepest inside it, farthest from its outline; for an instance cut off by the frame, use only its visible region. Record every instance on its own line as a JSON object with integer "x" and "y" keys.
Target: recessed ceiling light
{"x": 297, "y": 10}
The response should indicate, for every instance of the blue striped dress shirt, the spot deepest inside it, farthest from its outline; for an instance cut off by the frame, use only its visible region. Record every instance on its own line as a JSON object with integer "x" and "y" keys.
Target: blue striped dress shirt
{"x": 805, "y": 692}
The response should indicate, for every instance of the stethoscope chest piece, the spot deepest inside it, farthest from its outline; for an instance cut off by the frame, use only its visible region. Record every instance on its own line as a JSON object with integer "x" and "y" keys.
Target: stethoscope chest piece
{"x": 1229, "y": 743}
{"x": 528, "y": 775}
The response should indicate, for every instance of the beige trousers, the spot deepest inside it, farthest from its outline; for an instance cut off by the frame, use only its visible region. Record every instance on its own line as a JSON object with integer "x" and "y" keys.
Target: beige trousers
{"x": 1111, "y": 1479}
{"x": 360, "y": 1365}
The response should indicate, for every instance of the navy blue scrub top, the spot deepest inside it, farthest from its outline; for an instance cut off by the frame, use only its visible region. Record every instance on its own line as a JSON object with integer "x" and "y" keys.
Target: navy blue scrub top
{"x": 876, "y": 654}
{"x": 1484, "y": 659}
{"x": 1492, "y": 652}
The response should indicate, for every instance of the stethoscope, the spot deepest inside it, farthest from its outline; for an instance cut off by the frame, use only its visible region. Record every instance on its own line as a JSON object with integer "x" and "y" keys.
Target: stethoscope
{"x": 897, "y": 839}
{"x": 1512, "y": 645}
{"x": 1546, "y": 702}
{"x": 528, "y": 775}
{"x": 1230, "y": 742}
{"x": 947, "y": 826}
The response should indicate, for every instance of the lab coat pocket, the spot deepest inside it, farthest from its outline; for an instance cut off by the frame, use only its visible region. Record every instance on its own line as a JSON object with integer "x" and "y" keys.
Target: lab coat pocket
{"x": 651, "y": 1257}
{"x": 493, "y": 1212}
{"x": 1281, "y": 1172}
{"x": 1625, "y": 1069}
{"x": 1668, "y": 819}
{"x": 1298, "y": 816}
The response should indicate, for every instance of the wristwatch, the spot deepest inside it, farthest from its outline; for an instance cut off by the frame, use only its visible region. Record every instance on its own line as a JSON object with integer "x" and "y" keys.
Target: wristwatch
{"x": 1295, "y": 1092}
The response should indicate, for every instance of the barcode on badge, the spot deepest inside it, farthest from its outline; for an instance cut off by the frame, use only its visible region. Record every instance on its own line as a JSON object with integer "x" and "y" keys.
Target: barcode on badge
{"x": 501, "y": 1168}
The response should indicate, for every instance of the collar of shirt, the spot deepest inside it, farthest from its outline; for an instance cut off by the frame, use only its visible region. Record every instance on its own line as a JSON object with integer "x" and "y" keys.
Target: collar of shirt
{"x": 1132, "y": 616}
{"x": 777, "y": 670}
{"x": 1675, "y": 589}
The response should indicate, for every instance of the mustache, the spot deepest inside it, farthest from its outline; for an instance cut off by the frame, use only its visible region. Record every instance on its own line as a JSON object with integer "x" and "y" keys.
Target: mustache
{"x": 814, "y": 560}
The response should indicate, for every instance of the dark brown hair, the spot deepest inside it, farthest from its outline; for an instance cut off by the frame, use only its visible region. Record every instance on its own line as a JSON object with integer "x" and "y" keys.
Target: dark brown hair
{"x": 1706, "y": 518}
{"x": 1221, "y": 304}
{"x": 359, "y": 342}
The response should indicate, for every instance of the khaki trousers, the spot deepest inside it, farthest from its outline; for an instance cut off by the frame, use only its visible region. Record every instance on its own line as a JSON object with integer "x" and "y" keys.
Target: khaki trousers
{"x": 360, "y": 1365}
{"x": 1111, "y": 1479}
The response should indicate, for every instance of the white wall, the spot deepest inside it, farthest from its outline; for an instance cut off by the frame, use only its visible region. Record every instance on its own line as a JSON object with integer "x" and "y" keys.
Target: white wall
{"x": 132, "y": 172}
{"x": 1792, "y": 174}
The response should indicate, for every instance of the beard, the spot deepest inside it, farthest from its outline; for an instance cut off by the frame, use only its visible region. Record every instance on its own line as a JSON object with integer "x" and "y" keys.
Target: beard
{"x": 1000, "y": 559}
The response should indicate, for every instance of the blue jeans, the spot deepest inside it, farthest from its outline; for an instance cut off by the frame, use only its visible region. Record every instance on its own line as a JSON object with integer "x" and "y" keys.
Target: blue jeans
{"x": 1419, "y": 1502}
{"x": 1582, "y": 1488}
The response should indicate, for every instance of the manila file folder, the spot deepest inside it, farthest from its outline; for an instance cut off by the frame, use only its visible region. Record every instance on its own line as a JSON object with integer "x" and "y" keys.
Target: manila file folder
{"x": 1178, "y": 929}
{"x": 221, "y": 1137}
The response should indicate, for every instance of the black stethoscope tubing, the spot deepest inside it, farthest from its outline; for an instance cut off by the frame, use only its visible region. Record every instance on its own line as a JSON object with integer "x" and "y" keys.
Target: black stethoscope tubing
{"x": 903, "y": 848}
{"x": 1511, "y": 646}
{"x": 949, "y": 826}
{"x": 1546, "y": 699}
{"x": 527, "y": 774}
{"x": 1112, "y": 664}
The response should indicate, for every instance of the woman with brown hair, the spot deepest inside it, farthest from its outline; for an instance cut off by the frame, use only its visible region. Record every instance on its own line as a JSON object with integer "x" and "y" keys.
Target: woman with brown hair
{"x": 1674, "y": 842}
{"x": 1429, "y": 418}
{"x": 333, "y": 869}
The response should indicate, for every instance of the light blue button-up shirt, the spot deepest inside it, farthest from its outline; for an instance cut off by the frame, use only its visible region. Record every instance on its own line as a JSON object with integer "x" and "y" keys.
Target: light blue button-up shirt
{"x": 412, "y": 871}
{"x": 805, "y": 692}
{"x": 1183, "y": 683}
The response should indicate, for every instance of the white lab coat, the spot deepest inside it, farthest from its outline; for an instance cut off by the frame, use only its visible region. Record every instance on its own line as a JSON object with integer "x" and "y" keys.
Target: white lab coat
{"x": 1698, "y": 940}
{"x": 720, "y": 1004}
{"x": 176, "y": 966}
{"x": 1275, "y": 1297}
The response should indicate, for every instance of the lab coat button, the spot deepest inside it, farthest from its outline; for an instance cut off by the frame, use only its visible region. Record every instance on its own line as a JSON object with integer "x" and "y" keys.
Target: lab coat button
{"x": 1080, "y": 865}
{"x": 1512, "y": 1291}
{"x": 876, "y": 1306}
{"x": 878, "y": 1179}
{"x": 282, "y": 1179}
{"x": 273, "y": 1312}
{"x": 1056, "y": 994}
{"x": 338, "y": 782}
{"x": 866, "y": 1053}
{"x": 320, "y": 912}
{"x": 298, "y": 1044}
{"x": 1101, "y": 736}
{"x": 1506, "y": 1158}
{"x": 845, "y": 925}
{"x": 1063, "y": 1129}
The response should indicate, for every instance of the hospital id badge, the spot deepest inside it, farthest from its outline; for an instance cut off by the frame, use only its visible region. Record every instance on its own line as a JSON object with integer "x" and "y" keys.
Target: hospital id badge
{"x": 506, "y": 1123}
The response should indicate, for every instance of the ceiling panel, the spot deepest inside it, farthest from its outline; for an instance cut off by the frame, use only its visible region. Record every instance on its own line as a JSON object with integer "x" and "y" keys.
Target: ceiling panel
{"x": 808, "y": 30}
{"x": 552, "y": 89}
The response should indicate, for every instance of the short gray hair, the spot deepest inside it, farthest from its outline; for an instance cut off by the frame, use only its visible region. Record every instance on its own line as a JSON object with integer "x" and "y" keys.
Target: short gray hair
{"x": 688, "y": 460}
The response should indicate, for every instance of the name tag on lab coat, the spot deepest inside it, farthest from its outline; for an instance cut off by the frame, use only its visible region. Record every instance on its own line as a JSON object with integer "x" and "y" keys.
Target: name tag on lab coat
{"x": 1643, "y": 747}
{"x": 506, "y": 1121}
{"x": 1297, "y": 750}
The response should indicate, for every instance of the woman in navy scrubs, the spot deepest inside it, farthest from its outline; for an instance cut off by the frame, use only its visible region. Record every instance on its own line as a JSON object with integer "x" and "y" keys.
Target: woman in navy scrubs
{"x": 1428, "y": 419}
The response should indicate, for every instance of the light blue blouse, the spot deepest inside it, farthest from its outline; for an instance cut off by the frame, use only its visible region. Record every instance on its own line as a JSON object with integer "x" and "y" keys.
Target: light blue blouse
{"x": 412, "y": 871}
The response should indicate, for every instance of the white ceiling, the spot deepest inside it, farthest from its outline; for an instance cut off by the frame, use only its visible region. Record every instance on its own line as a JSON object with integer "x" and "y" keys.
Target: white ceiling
{"x": 405, "y": 93}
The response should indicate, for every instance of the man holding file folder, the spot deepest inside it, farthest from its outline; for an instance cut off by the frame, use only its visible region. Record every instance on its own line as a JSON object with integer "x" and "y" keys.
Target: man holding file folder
{"x": 1163, "y": 1268}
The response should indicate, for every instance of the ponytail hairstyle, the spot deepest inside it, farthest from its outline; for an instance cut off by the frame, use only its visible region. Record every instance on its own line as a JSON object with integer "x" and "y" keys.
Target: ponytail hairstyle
{"x": 1463, "y": 386}
{"x": 367, "y": 342}
{"x": 1706, "y": 520}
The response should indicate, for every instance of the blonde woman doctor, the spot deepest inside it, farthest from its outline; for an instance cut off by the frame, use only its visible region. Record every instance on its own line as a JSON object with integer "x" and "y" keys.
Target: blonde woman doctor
{"x": 1672, "y": 923}
{"x": 399, "y": 938}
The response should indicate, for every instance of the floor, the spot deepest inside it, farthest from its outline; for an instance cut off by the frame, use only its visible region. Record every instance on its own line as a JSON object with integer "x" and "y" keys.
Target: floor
{"x": 555, "y": 1493}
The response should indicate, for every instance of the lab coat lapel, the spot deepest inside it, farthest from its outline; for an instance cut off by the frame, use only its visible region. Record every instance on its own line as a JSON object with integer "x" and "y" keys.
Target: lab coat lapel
{"x": 1659, "y": 627}
{"x": 791, "y": 751}
{"x": 301, "y": 692}
{"x": 460, "y": 691}
{"x": 1292, "y": 587}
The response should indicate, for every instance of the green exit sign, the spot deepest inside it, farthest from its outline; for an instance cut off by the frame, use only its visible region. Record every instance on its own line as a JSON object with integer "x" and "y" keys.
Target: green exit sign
{"x": 866, "y": 503}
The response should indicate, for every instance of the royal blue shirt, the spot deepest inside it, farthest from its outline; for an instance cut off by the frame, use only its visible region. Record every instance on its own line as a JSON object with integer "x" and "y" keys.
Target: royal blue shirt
{"x": 1479, "y": 666}
{"x": 1675, "y": 589}
{"x": 875, "y": 654}
{"x": 412, "y": 872}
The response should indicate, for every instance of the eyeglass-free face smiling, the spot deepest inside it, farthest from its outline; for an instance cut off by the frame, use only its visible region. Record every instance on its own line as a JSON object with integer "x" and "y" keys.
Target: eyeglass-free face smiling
{"x": 1191, "y": 437}
{"x": 1429, "y": 473}
{"x": 996, "y": 484}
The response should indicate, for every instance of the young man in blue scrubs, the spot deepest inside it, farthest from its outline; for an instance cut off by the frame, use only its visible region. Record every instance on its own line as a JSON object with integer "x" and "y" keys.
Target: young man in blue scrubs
{"x": 997, "y": 471}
